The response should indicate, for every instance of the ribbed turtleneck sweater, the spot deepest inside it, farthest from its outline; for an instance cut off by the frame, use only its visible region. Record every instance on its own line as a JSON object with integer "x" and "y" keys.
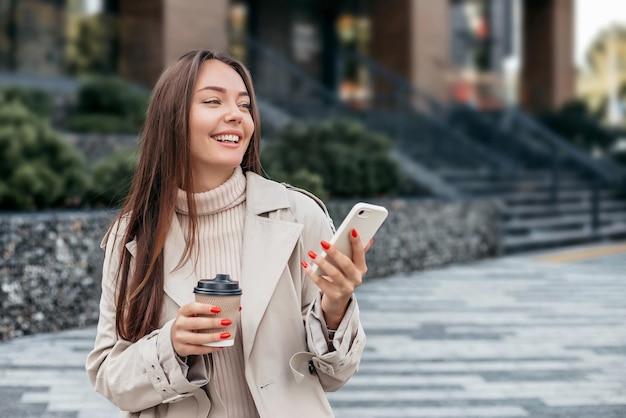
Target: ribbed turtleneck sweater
{"x": 218, "y": 249}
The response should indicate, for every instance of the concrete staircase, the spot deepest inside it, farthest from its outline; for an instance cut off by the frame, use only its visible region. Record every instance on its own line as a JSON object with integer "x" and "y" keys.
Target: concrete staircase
{"x": 457, "y": 152}
{"x": 531, "y": 220}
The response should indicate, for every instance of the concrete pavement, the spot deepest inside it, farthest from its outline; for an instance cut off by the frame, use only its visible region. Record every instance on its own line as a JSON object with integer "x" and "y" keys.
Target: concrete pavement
{"x": 540, "y": 335}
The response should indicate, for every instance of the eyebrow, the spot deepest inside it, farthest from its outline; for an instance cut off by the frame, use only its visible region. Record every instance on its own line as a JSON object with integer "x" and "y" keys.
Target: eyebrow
{"x": 222, "y": 90}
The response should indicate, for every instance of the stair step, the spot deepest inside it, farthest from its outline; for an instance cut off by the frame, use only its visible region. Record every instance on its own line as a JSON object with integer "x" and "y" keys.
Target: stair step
{"x": 439, "y": 163}
{"x": 552, "y": 239}
{"x": 530, "y": 211}
{"x": 563, "y": 196}
{"x": 507, "y": 186}
{"x": 454, "y": 174}
{"x": 519, "y": 226}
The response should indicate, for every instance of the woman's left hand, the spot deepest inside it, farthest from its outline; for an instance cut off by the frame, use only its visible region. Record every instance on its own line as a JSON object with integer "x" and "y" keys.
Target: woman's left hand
{"x": 340, "y": 279}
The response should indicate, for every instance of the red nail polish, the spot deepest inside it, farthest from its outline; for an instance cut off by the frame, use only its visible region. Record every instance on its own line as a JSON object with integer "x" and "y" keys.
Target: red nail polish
{"x": 304, "y": 264}
{"x": 354, "y": 234}
{"x": 312, "y": 254}
{"x": 226, "y": 322}
{"x": 225, "y": 335}
{"x": 325, "y": 245}
{"x": 240, "y": 309}
{"x": 215, "y": 309}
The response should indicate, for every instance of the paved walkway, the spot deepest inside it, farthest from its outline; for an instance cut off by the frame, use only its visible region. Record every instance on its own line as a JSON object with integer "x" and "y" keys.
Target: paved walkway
{"x": 530, "y": 336}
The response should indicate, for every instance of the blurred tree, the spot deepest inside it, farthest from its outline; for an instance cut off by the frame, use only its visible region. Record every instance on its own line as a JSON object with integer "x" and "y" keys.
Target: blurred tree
{"x": 604, "y": 83}
{"x": 38, "y": 169}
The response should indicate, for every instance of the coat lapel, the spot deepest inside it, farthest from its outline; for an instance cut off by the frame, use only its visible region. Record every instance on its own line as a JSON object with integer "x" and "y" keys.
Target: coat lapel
{"x": 268, "y": 243}
{"x": 178, "y": 282}
{"x": 272, "y": 242}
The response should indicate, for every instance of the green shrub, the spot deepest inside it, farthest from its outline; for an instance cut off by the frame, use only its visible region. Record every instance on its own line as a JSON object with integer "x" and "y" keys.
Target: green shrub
{"x": 112, "y": 177}
{"x": 38, "y": 169}
{"x": 350, "y": 160}
{"x": 35, "y": 100}
{"x": 108, "y": 105}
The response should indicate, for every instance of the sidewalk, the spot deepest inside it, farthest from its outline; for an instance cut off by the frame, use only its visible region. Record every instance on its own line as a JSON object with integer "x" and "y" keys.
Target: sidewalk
{"x": 539, "y": 335}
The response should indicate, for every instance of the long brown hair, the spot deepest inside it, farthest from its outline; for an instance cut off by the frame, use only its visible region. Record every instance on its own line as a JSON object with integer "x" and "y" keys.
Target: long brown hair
{"x": 163, "y": 167}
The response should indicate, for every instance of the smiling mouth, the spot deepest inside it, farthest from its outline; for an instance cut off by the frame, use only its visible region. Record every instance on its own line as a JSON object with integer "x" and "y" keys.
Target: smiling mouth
{"x": 233, "y": 139}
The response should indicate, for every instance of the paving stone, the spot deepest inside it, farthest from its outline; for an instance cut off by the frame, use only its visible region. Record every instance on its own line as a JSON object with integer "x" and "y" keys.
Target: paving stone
{"x": 509, "y": 337}
{"x": 528, "y": 336}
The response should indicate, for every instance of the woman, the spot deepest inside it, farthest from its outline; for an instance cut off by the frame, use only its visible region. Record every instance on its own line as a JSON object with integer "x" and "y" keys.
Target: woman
{"x": 197, "y": 207}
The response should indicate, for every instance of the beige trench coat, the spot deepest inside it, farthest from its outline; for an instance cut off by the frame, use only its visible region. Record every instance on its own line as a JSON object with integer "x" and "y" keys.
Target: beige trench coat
{"x": 147, "y": 380}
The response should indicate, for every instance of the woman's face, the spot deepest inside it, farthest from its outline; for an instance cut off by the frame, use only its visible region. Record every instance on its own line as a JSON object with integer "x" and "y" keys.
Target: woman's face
{"x": 220, "y": 124}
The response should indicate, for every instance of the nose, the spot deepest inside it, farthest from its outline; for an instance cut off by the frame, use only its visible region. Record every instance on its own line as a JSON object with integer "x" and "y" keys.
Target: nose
{"x": 233, "y": 114}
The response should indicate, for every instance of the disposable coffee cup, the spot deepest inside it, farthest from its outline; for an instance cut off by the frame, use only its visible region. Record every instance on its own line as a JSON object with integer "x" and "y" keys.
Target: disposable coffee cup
{"x": 225, "y": 293}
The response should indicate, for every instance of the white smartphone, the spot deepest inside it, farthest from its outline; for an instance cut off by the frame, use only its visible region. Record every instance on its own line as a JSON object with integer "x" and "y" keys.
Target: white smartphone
{"x": 366, "y": 218}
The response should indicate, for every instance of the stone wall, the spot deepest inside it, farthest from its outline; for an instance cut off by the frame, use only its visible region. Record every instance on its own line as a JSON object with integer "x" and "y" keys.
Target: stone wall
{"x": 50, "y": 267}
{"x": 423, "y": 234}
{"x": 51, "y": 263}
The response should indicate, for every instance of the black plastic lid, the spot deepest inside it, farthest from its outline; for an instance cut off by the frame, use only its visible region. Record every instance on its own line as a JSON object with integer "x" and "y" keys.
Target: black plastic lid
{"x": 221, "y": 284}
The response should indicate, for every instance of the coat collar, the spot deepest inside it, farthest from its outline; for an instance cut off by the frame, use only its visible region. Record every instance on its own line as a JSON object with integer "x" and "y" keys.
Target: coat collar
{"x": 268, "y": 242}
{"x": 263, "y": 195}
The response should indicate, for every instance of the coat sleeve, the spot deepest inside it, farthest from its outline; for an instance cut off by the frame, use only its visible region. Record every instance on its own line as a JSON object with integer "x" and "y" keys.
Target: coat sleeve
{"x": 337, "y": 360}
{"x": 137, "y": 376}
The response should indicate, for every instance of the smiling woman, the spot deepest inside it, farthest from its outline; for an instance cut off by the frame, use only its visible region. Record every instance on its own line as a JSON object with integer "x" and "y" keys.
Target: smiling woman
{"x": 199, "y": 207}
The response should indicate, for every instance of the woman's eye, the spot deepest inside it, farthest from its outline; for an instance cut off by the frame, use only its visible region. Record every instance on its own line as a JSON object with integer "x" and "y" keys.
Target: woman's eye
{"x": 246, "y": 106}
{"x": 211, "y": 101}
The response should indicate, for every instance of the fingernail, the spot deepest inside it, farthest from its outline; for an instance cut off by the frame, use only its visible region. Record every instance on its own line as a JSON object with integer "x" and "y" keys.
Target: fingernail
{"x": 354, "y": 234}
{"x": 215, "y": 309}
{"x": 312, "y": 254}
{"x": 325, "y": 245}
{"x": 226, "y": 322}
{"x": 304, "y": 264}
{"x": 225, "y": 335}
{"x": 240, "y": 309}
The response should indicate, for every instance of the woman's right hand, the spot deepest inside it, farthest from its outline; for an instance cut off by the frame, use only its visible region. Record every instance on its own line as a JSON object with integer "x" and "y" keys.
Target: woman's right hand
{"x": 191, "y": 318}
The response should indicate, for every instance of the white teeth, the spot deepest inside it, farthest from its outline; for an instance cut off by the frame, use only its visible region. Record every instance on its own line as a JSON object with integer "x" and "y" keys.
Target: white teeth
{"x": 227, "y": 138}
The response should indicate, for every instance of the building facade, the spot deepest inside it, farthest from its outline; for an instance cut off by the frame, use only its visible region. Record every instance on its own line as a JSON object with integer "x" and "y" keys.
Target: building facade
{"x": 451, "y": 49}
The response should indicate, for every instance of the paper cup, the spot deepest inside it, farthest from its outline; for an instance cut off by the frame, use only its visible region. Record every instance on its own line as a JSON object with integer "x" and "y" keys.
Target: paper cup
{"x": 230, "y": 309}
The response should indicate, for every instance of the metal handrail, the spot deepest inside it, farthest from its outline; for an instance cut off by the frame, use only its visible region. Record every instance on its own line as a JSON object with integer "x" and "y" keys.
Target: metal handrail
{"x": 404, "y": 92}
{"x": 612, "y": 175}
{"x": 559, "y": 150}
{"x": 519, "y": 116}
{"x": 398, "y": 124}
{"x": 518, "y": 121}
{"x": 525, "y": 136}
